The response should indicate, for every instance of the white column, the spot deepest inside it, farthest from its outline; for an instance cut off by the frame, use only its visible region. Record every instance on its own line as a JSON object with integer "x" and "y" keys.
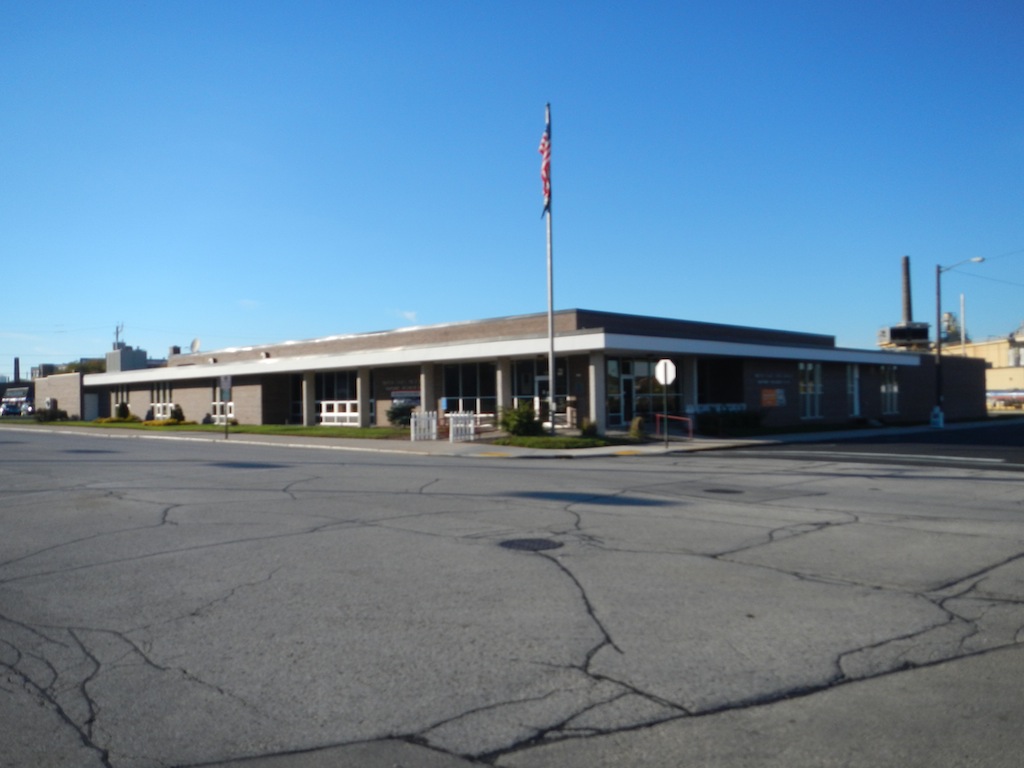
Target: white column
{"x": 363, "y": 396}
{"x": 504, "y": 385}
{"x": 309, "y": 399}
{"x": 428, "y": 388}
{"x": 598, "y": 391}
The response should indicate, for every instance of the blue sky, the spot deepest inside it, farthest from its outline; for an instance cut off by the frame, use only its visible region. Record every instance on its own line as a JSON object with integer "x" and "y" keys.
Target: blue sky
{"x": 252, "y": 172}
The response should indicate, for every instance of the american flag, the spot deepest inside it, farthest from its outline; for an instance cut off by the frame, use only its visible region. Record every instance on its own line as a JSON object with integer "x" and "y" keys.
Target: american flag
{"x": 545, "y": 163}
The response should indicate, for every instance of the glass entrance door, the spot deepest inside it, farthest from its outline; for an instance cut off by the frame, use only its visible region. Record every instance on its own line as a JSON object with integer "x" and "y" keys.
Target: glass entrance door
{"x": 541, "y": 394}
{"x": 628, "y": 393}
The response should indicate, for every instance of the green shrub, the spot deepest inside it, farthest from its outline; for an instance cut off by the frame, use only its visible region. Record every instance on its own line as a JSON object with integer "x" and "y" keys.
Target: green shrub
{"x": 400, "y": 414}
{"x": 129, "y": 419}
{"x": 177, "y": 414}
{"x": 521, "y": 421}
{"x": 122, "y": 411}
{"x": 636, "y": 428}
{"x": 50, "y": 414}
{"x": 588, "y": 428}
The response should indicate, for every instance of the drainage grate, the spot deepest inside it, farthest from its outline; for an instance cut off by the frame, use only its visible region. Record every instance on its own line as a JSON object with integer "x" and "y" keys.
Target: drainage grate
{"x": 531, "y": 545}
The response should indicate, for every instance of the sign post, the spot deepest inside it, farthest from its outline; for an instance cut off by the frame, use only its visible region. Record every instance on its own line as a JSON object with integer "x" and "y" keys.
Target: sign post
{"x": 225, "y": 396}
{"x": 665, "y": 374}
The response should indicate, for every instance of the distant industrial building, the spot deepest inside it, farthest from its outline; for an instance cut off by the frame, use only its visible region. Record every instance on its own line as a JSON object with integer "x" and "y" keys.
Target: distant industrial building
{"x": 1004, "y": 366}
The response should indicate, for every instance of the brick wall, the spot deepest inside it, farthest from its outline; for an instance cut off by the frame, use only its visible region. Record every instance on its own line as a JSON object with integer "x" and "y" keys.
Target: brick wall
{"x": 66, "y": 388}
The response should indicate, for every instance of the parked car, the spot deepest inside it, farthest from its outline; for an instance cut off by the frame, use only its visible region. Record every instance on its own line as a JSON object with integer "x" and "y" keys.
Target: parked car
{"x": 17, "y": 401}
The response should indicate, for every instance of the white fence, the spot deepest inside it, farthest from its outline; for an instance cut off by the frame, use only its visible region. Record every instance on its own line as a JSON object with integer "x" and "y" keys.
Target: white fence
{"x": 461, "y": 426}
{"x": 161, "y": 410}
{"x": 423, "y": 425}
{"x": 217, "y": 409}
{"x": 339, "y": 413}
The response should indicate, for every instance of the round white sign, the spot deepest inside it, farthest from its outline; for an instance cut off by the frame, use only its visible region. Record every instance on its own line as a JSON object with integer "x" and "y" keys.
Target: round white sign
{"x": 665, "y": 372}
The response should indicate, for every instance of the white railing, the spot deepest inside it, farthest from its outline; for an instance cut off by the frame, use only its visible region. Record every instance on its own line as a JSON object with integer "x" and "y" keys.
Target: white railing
{"x": 161, "y": 410}
{"x": 338, "y": 413}
{"x": 423, "y": 425}
{"x": 218, "y": 408}
{"x": 461, "y": 426}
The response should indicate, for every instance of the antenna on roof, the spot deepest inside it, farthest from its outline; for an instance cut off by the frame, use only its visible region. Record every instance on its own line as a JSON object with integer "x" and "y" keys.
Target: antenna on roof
{"x": 195, "y": 345}
{"x": 118, "y": 330}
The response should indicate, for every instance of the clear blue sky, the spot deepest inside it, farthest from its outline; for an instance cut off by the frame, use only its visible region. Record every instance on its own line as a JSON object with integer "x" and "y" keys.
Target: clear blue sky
{"x": 252, "y": 172}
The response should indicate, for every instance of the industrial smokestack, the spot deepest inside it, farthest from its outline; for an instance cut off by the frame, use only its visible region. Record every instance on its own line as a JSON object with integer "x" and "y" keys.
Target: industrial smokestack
{"x": 907, "y": 334}
{"x": 908, "y": 310}
{"x": 17, "y": 369}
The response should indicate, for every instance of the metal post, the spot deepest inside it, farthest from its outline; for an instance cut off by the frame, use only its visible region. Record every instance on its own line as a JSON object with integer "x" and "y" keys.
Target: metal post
{"x": 963, "y": 327}
{"x": 664, "y": 410}
{"x": 938, "y": 419}
{"x": 552, "y": 373}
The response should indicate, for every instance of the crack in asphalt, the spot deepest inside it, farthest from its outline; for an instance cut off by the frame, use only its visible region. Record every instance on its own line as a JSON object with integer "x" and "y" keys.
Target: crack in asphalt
{"x": 46, "y": 691}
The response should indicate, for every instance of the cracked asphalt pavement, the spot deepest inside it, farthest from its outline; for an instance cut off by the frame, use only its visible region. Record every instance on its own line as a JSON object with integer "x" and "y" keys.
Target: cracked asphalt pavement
{"x": 216, "y": 603}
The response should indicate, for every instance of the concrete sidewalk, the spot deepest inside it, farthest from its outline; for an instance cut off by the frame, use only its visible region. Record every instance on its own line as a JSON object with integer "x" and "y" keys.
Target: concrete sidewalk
{"x": 486, "y": 449}
{"x": 476, "y": 448}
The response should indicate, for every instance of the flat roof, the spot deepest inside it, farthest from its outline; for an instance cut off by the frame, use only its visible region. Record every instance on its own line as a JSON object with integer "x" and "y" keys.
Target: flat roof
{"x": 577, "y": 332}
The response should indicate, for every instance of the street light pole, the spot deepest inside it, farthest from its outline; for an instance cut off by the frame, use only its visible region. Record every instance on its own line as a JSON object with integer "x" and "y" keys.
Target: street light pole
{"x": 938, "y": 416}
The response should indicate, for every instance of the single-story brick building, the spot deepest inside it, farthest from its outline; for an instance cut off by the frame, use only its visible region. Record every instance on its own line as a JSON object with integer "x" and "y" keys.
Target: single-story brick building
{"x": 604, "y": 374}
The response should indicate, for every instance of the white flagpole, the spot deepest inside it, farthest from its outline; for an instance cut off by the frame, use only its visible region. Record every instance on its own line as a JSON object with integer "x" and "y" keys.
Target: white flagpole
{"x": 552, "y": 373}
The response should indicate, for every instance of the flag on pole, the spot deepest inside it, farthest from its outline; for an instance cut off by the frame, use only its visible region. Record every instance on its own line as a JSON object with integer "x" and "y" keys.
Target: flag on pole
{"x": 545, "y": 163}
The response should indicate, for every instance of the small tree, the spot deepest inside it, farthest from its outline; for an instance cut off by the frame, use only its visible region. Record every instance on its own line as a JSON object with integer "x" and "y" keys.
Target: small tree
{"x": 521, "y": 421}
{"x": 400, "y": 414}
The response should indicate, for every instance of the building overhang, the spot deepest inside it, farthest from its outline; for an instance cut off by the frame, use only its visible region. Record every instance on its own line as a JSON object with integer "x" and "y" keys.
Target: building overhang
{"x": 657, "y": 345}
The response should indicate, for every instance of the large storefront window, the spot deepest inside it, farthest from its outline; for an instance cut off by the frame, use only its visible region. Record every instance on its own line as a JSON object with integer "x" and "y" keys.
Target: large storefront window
{"x": 295, "y": 399}
{"x": 336, "y": 385}
{"x": 161, "y": 400}
{"x": 118, "y": 395}
{"x": 530, "y": 384}
{"x": 632, "y": 390}
{"x": 890, "y": 390}
{"x": 810, "y": 390}
{"x": 337, "y": 398}
{"x": 853, "y": 390}
{"x": 720, "y": 382}
{"x": 470, "y": 387}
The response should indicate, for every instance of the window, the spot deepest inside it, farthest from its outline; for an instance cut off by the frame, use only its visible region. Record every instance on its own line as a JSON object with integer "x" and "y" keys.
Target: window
{"x": 470, "y": 387}
{"x": 337, "y": 398}
{"x": 161, "y": 398}
{"x": 120, "y": 395}
{"x": 632, "y": 390}
{"x": 890, "y": 390}
{"x": 853, "y": 390}
{"x": 810, "y": 390}
{"x": 720, "y": 381}
{"x": 336, "y": 385}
